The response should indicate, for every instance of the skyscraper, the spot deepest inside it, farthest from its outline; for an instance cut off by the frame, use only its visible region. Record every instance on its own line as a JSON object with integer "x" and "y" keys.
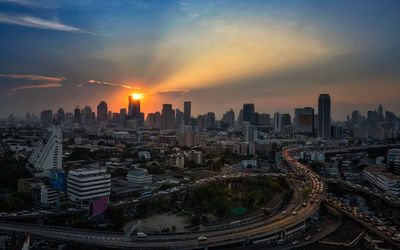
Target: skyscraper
{"x": 277, "y": 122}
{"x": 46, "y": 117}
{"x": 304, "y": 121}
{"x": 167, "y": 117}
{"x": 324, "y": 116}
{"x": 134, "y": 106}
{"x": 187, "y": 109}
{"x": 248, "y": 113}
{"x": 102, "y": 111}
{"x": 229, "y": 117}
{"x": 77, "y": 115}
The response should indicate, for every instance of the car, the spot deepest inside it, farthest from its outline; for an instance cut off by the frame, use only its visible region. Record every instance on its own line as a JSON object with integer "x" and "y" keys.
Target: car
{"x": 307, "y": 238}
{"x": 202, "y": 238}
{"x": 319, "y": 229}
{"x": 283, "y": 212}
{"x": 294, "y": 213}
{"x": 295, "y": 242}
{"x": 141, "y": 235}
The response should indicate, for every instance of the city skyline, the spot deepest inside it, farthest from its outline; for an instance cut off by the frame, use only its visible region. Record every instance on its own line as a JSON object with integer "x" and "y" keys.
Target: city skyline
{"x": 276, "y": 55}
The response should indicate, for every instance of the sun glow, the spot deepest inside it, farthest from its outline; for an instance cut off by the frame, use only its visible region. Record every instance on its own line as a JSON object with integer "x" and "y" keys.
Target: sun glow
{"x": 137, "y": 96}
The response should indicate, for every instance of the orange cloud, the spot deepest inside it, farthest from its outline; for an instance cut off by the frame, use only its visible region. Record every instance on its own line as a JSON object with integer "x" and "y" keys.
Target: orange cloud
{"x": 46, "y": 85}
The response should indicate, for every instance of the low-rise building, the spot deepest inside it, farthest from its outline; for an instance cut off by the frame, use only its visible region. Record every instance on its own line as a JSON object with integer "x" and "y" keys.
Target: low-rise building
{"x": 138, "y": 177}
{"x": 86, "y": 185}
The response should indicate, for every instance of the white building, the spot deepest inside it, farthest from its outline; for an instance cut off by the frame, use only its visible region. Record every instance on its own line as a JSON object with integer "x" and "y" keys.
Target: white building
{"x": 86, "y": 185}
{"x": 138, "y": 177}
{"x": 144, "y": 154}
{"x": 45, "y": 195}
{"x": 382, "y": 179}
{"x": 176, "y": 161}
{"x": 48, "y": 155}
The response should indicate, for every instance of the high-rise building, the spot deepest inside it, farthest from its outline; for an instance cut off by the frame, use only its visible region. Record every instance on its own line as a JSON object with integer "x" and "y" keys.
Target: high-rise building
{"x": 87, "y": 116}
{"x": 179, "y": 119}
{"x": 167, "y": 117}
{"x": 286, "y": 120}
{"x": 48, "y": 153}
{"x": 304, "y": 121}
{"x": 264, "y": 120}
{"x": 77, "y": 115}
{"x": 187, "y": 109}
{"x": 229, "y": 118}
{"x": 380, "y": 113}
{"x": 60, "y": 115}
{"x": 134, "y": 106}
{"x": 102, "y": 111}
{"x": 324, "y": 116}
{"x": 249, "y": 132}
{"x": 277, "y": 122}
{"x": 46, "y": 118}
{"x": 210, "y": 120}
{"x": 248, "y": 113}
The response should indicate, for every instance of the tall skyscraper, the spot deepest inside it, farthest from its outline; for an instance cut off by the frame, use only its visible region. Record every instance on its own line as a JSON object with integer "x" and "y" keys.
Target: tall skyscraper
{"x": 324, "y": 116}
{"x": 187, "y": 109}
{"x": 102, "y": 111}
{"x": 77, "y": 115}
{"x": 46, "y": 117}
{"x": 210, "y": 120}
{"x": 304, "y": 121}
{"x": 249, "y": 132}
{"x": 87, "y": 116}
{"x": 229, "y": 117}
{"x": 167, "y": 117}
{"x": 60, "y": 115}
{"x": 134, "y": 106}
{"x": 277, "y": 122}
{"x": 248, "y": 113}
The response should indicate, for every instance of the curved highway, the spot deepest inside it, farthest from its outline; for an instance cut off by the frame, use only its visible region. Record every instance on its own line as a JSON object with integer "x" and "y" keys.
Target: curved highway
{"x": 273, "y": 227}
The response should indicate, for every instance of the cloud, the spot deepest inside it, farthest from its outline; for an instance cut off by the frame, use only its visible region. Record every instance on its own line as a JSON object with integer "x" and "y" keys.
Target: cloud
{"x": 170, "y": 91}
{"x": 106, "y": 84}
{"x": 45, "y": 85}
{"x": 39, "y": 23}
{"x": 34, "y": 77}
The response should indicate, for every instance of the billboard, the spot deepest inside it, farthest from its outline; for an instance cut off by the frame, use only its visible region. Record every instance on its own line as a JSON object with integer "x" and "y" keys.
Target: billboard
{"x": 57, "y": 180}
{"x": 306, "y": 120}
{"x": 98, "y": 206}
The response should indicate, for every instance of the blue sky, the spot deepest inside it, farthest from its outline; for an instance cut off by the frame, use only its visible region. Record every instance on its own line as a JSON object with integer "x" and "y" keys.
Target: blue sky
{"x": 218, "y": 54}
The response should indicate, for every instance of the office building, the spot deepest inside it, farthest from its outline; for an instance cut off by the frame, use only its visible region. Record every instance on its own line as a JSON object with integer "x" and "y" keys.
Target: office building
{"x": 324, "y": 116}
{"x": 229, "y": 118}
{"x": 88, "y": 184}
{"x": 304, "y": 121}
{"x": 187, "y": 109}
{"x": 249, "y": 132}
{"x": 248, "y": 113}
{"x": 46, "y": 118}
{"x": 77, "y": 115}
{"x": 277, "y": 122}
{"x": 167, "y": 117}
{"x": 102, "y": 112}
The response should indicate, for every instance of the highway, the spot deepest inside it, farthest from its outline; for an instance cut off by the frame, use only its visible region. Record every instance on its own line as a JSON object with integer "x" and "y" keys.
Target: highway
{"x": 241, "y": 234}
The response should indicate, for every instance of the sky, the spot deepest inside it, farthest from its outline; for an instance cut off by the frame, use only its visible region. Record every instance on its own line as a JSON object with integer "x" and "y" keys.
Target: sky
{"x": 278, "y": 54}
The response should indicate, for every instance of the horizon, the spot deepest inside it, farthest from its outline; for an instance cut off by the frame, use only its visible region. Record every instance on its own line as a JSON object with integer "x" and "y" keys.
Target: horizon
{"x": 218, "y": 55}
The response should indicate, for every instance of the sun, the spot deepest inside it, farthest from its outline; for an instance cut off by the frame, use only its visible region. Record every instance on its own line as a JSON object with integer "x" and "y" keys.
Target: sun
{"x": 137, "y": 96}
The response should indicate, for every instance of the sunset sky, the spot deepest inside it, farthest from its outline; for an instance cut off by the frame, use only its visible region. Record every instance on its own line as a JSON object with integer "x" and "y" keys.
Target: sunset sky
{"x": 277, "y": 54}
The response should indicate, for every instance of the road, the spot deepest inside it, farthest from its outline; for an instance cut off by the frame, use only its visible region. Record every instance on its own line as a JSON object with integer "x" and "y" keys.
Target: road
{"x": 241, "y": 233}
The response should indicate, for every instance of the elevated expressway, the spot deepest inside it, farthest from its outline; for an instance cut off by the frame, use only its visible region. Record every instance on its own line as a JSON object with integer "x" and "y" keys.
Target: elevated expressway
{"x": 267, "y": 230}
